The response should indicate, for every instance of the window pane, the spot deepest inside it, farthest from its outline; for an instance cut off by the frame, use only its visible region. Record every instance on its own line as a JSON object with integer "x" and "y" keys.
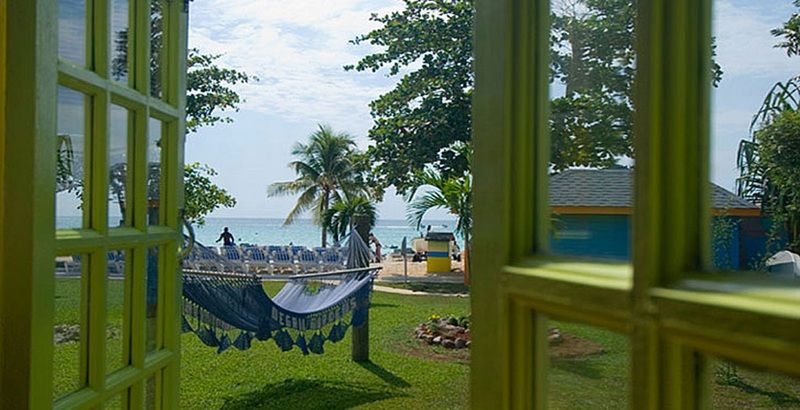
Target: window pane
{"x": 734, "y": 386}
{"x": 119, "y": 45}
{"x": 151, "y": 300}
{"x": 116, "y": 302}
{"x": 69, "y": 334}
{"x": 150, "y": 393}
{"x": 154, "y": 148}
{"x": 157, "y": 14}
{"x": 118, "y": 165}
{"x": 591, "y": 128}
{"x": 589, "y": 367}
{"x": 72, "y": 31}
{"x": 115, "y": 402}
{"x": 754, "y": 140}
{"x": 70, "y": 158}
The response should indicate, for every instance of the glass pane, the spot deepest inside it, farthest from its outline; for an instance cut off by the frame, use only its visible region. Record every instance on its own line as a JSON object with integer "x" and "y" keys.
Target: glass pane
{"x": 735, "y": 386}
{"x": 116, "y": 402}
{"x": 157, "y": 11}
{"x": 591, "y": 128}
{"x": 754, "y": 140}
{"x": 116, "y": 301}
{"x": 589, "y": 367}
{"x": 118, "y": 165}
{"x": 70, "y": 158}
{"x": 118, "y": 53}
{"x": 72, "y": 31}
{"x": 151, "y": 300}
{"x": 154, "y": 147}
{"x": 150, "y": 393}
{"x": 69, "y": 336}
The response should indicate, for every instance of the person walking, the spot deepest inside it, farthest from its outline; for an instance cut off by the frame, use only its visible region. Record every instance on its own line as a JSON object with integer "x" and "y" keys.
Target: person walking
{"x": 226, "y": 237}
{"x": 374, "y": 240}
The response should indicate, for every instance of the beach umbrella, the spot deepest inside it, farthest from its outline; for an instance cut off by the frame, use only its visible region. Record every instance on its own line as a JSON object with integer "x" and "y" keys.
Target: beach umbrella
{"x": 784, "y": 262}
{"x": 358, "y": 252}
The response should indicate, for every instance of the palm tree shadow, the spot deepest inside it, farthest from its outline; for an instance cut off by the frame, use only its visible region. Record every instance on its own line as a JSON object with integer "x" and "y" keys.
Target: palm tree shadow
{"x": 382, "y": 305}
{"x": 309, "y": 394}
{"x": 385, "y": 375}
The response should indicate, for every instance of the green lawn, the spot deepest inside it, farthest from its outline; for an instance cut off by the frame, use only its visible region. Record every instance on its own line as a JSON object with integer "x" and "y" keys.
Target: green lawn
{"x": 404, "y": 373}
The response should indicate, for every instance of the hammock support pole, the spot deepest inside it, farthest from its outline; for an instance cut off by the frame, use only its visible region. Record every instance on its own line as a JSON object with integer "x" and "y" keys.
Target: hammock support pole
{"x": 360, "y": 348}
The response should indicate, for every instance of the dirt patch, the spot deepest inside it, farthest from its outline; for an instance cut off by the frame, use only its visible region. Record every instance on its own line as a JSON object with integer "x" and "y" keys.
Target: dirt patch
{"x": 573, "y": 347}
{"x": 562, "y": 346}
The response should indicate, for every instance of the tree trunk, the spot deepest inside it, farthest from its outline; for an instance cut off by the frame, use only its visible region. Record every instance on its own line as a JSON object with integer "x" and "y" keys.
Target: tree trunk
{"x": 325, "y": 200}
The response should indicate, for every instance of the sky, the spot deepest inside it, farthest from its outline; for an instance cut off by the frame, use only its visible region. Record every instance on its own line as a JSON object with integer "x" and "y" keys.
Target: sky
{"x": 297, "y": 50}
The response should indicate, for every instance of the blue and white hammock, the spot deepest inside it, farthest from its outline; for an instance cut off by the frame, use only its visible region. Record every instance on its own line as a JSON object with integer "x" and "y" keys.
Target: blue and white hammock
{"x": 231, "y": 309}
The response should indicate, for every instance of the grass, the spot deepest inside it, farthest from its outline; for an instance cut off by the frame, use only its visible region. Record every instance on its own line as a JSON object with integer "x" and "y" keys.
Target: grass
{"x": 265, "y": 378}
{"x": 404, "y": 373}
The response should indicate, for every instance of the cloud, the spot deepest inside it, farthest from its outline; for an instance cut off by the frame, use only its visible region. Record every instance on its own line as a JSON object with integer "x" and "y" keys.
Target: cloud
{"x": 297, "y": 50}
{"x": 744, "y": 43}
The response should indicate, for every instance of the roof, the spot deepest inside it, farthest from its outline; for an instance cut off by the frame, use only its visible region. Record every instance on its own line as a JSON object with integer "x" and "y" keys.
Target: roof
{"x": 613, "y": 188}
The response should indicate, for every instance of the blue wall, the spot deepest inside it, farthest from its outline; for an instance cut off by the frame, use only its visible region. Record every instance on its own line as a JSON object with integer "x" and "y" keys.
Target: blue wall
{"x": 609, "y": 237}
{"x": 600, "y": 236}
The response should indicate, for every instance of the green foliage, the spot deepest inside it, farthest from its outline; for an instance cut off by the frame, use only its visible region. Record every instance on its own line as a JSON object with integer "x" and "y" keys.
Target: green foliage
{"x": 346, "y": 209}
{"x": 790, "y": 31}
{"x": 722, "y": 232}
{"x": 209, "y": 91}
{"x": 326, "y": 170}
{"x": 418, "y": 123}
{"x": 768, "y": 167}
{"x": 202, "y": 195}
{"x": 779, "y": 160}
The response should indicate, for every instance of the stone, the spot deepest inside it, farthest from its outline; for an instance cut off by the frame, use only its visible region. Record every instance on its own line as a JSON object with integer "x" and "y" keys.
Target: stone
{"x": 437, "y": 340}
{"x": 429, "y": 339}
{"x": 460, "y": 343}
{"x": 449, "y": 343}
{"x": 554, "y": 336}
{"x": 469, "y": 343}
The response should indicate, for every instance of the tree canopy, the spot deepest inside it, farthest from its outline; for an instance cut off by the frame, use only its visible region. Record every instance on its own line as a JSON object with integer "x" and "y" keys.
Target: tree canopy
{"x": 429, "y": 43}
{"x": 325, "y": 171}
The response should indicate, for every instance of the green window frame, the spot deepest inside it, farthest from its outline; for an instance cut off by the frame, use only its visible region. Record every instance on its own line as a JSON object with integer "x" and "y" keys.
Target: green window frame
{"x": 674, "y": 312}
{"x": 34, "y": 72}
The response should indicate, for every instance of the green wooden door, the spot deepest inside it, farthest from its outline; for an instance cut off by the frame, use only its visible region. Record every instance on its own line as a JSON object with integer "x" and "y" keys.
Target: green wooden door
{"x": 93, "y": 175}
{"x": 674, "y": 314}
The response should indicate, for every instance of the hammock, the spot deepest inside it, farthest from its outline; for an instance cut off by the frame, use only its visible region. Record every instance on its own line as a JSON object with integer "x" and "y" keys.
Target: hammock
{"x": 231, "y": 309}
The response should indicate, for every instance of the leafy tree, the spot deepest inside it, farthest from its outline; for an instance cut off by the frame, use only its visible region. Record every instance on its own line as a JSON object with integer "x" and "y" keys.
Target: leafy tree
{"x": 779, "y": 161}
{"x": 790, "y": 31}
{"x": 209, "y": 92}
{"x": 345, "y": 210}
{"x": 418, "y": 123}
{"x": 202, "y": 195}
{"x": 453, "y": 193}
{"x": 325, "y": 171}
{"x": 769, "y": 163}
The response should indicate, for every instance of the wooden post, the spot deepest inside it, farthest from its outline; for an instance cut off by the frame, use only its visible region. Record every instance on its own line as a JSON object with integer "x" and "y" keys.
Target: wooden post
{"x": 360, "y": 347}
{"x": 360, "y": 350}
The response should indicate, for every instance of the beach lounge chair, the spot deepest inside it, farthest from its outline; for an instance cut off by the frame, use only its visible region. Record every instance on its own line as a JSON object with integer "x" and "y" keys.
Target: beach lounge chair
{"x": 281, "y": 261}
{"x": 295, "y": 250}
{"x": 68, "y": 265}
{"x": 203, "y": 258}
{"x": 258, "y": 260}
{"x": 332, "y": 260}
{"x": 308, "y": 261}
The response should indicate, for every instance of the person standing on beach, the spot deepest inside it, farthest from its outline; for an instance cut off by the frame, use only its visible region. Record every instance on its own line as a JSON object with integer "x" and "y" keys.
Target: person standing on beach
{"x": 374, "y": 240}
{"x": 226, "y": 237}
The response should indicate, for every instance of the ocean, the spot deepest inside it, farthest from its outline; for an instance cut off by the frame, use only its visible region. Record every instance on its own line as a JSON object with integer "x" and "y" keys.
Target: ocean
{"x": 270, "y": 231}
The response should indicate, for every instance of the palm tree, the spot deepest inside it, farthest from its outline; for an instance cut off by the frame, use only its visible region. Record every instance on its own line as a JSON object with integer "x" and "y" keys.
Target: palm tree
{"x": 451, "y": 193}
{"x": 347, "y": 210}
{"x": 324, "y": 169}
